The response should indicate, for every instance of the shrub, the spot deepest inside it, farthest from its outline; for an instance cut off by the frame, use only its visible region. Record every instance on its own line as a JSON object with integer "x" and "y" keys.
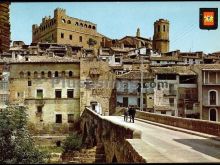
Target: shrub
{"x": 72, "y": 143}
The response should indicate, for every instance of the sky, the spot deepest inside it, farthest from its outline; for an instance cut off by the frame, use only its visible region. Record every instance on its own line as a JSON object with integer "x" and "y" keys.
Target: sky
{"x": 118, "y": 19}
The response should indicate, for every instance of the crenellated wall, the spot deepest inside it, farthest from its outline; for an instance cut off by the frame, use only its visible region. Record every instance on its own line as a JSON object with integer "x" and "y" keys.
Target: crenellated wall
{"x": 119, "y": 142}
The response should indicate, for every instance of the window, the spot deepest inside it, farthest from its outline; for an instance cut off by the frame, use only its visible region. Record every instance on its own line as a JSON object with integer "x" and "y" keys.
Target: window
{"x": 63, "y": 20}
{"x": 39, "y": 109}
{"x": 62, "y": 35}
{"x": 80, "y": 38}
{"x": 89, "y": 26}
{"x": 42, "y": 74}
{"x": 29, "y": 83}
{"x": 93, "y": 27}
{"x": 158, "y": 28}
{"x": 39, "y": 93}
{"x": 70, "y": 74}
{"x": 117, "y": 59}
{"x": 35, "y": 74}
{"x": 164, "y": 28}
{"x": 56, "y": 74}
{"x": 68, "y": 22}
{"x": 71, "y": 37}
{"x": 63, "y": 74}
{"x": 70, "y": 93}
{"x": 21, "y": 74}
{"x": 171, "y": 101}
{"x": 29, "y": 74}
{"x": 58, "y": 93}
{"x": 212, "y": 98}
{"x": 58, "y": 118}
{"x": 163, "y": 112}
{"x": 166, "y": 76}
{"x": 77, "y": 24}
{"x": 49, "y": 74}
{"x": 70, "y": 118}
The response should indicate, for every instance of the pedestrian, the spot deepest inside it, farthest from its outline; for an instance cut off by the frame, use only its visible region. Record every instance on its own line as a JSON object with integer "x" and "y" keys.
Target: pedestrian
{"x": 129, "y": 112}
{"x": 126, "y": 114}
{"x": 133, "y": 113}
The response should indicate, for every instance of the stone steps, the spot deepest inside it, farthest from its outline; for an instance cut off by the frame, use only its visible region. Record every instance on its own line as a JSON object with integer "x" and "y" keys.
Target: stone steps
{"x": 91, "y": 155}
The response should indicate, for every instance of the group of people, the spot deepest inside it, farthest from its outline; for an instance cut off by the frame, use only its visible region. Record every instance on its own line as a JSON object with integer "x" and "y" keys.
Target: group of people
{"x": 130, "y": 111}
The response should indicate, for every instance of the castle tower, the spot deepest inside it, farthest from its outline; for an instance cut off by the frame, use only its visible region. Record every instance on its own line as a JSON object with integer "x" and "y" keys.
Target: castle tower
{"x": 161, "y": 36}
{"x": 138, "y": 33}
{"x": 4, "y": 26}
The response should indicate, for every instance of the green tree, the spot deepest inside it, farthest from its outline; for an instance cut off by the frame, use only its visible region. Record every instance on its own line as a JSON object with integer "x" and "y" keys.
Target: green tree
{"x": 91, "y": 42}
{"x": 16, "y": 144}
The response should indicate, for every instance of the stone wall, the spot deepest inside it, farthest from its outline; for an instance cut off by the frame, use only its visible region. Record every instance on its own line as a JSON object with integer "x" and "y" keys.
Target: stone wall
{"x": 208, "y": 127}
{"x": 114, "y": 137}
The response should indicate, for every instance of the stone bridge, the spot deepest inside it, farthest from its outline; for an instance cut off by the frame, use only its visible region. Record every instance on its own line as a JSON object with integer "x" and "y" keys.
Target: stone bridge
{"x": 152, "y": 138}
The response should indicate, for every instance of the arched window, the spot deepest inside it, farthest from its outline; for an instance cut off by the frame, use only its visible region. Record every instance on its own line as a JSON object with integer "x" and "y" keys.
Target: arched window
{"x": 89, "y": 26}
{"x": 63, "y": 20}
{"x": 49, "y": 74}
{"x": 213, "y": 114}
{"x": 81, "y": 24}
{"x": 21, "y": 74}
{"x": 63, "y": 74}
{"x": 164, "y": 28}
{"x": 42, "y": 74}
{"x": 68, "y": 22}
{"x": 35, "y": 74}
{"x": 93, "y": 27}
{"x": 77, "y": 23}
{"x": 85, "y": 25}
{"x": 70, "y": 74}
{"x": 56, "y": 74}
{"x": 28, "y": 74}
{"x": 212, "y": 97}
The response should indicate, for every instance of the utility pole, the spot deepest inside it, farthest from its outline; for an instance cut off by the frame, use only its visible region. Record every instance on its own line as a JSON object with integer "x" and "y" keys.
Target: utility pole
{"x": 141, "y": 98}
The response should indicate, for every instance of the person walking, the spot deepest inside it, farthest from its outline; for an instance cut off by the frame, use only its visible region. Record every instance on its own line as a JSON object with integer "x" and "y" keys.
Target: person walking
{"x": 129, "y": 112}
{"x": 133, "y": 113}
{"x": 126, "y": 114}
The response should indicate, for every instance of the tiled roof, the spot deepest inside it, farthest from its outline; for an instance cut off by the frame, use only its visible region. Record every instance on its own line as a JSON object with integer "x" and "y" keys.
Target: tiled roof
{"x": 181, "y": 70}
{"x": 135, "y": 75}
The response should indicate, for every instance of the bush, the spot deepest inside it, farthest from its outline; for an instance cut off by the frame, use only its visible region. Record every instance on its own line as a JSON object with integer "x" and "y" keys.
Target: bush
{"x": 72, "y": 143}
{"x": 16, "y": 143}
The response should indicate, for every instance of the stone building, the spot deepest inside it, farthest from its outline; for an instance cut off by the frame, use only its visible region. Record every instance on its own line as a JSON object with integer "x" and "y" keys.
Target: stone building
{"x": 128, "y": 86}
{"x": 161, "y": 36}
{"x": 209, "y": 90}
{"x": 4, "y": 27}
{"x": 48, "y": 87}
{"x": 176, "y": 91}
{"x": 4, "y": 84}
{"x": 97, "y": 86}
{"x": 63, "y": 29}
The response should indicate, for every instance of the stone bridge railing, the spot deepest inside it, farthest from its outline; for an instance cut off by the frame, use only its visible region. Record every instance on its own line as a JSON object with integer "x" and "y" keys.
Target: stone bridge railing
{"x": 120, "y": 144}
{"x": 202, "y": 126}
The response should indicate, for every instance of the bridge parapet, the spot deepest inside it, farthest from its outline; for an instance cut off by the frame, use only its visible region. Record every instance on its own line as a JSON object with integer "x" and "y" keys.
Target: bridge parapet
{"x": 115, "y": 137}
{"x": 203, "y": 126}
